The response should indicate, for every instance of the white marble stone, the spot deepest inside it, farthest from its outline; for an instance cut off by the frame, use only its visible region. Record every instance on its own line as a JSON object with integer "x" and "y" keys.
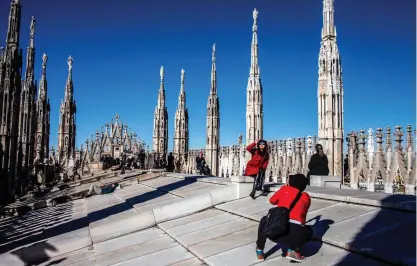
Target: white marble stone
{"x": 188, "y": 262}
{"x": 201, "y": 224}
{"x": 241, "y": 203}
{"x": 79, "y": 257}
{"x": 242, "y": 256}
{"x": 223, "y": 243}
{"x": 231, "y": 192}
{"x": 137, "y": 251}
{"x": 339, "y": 212}
{"x": 365, "y": 225}
{"x": 320, "y": 254}
{"x": 164, "y": 257}
{"x": 121, "y": 224}
{"x": 55, "y": 247}
{"x": 182, "y": 208}
{"x": 215, "y": 231}
{"x": 128, "y": 240}
{"x": 190, "y": 218}
{"x": 10, "y": 259}
{"x": 317, "y": 204}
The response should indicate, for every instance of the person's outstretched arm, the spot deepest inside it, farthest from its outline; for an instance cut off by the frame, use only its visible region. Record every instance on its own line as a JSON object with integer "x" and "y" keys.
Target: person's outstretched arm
{"x": 250, "y": 147}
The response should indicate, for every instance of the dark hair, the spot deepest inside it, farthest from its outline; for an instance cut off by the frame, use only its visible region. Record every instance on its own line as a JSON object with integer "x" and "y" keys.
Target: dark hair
{"x": 298, "y": 181}
{"x": 263, "y": 153}
{"x": 318, "y": 146}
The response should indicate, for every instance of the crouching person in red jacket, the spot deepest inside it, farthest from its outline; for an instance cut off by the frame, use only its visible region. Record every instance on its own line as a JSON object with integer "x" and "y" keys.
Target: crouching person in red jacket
{"x": 258, "y": 163}
{"x": 298, "y": 233}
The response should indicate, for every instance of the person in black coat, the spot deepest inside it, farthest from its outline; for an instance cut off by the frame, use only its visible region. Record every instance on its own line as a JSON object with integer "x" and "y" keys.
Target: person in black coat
{"x": 318, "y": 165}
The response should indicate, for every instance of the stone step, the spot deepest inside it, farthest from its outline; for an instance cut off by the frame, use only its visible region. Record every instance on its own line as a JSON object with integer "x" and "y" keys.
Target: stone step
{"x": 219, "y": 238}
{"x": 367, "y": 230}
{"x": 400, "y": 202}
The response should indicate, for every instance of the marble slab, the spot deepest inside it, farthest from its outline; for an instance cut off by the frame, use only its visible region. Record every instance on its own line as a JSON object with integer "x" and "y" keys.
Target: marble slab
{"x": 318, "y": 254}
{"x": 362, "y": 226}
{"x": 132, "y": 254}
{"x": 190, "y": 218}
{"x": 133, "y": 239}
{"x": 163, "y": 257}
{"x": 214, "y": 231}
{"x": 121, "y": 224}
{"x": 201, "y": 224}
{"x": 223, "y": 243}
{"x": 397, "y": 245}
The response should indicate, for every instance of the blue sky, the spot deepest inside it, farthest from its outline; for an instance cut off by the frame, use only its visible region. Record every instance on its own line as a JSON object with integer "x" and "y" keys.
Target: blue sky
{"x": 119, "y": 46}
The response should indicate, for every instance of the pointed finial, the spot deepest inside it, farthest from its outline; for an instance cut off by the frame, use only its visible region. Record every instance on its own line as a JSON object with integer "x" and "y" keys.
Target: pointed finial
{"x": 70, "y": 62}
{"x": 32, "y": 31}
{"x": 182, "y": 76}
{"x": 213, "y": 53}
{"x": 44, "y": 60}
{"x": 255, "y": 16}
{"x": 162, "y": 73}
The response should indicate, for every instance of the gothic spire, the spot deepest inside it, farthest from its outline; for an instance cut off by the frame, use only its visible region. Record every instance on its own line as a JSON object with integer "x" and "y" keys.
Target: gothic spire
{"x": 254, "y": 68}
{"x": 161, "y": 94}
{"x": 213, "y": 89}
{"x": 43, "y": 83}
{"x": 13, "y": 31}
{"x": 182, "y": 79}
{"x": 32, "y": 32}
{"x": 181, "y": 98}
{"x": 329, "y": 29}
{"x": 69, "y": 87}
{"x": 30, "y": 60}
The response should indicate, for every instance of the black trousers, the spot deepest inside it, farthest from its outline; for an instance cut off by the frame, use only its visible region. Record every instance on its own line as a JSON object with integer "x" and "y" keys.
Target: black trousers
{"x": 261, "y": 179}
{"x": 294, "y": 239}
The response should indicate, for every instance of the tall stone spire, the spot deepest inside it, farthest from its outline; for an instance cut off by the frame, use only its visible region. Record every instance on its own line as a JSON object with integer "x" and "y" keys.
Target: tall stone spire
{"x": 254, "y": 102}
{"x": 213, "y": 120}
{"x": 10, "y": 89}
{"x": 13, "y": 31}
{"x": 181, "y": 126}
{"x": 27, "y": 106}
{"x": 329, "y": 28}
{"x": 43, "y": 116}
{"x": 67, "y": 128}
{"x": 160, "y": 122}
{"x": 330, "y": 93}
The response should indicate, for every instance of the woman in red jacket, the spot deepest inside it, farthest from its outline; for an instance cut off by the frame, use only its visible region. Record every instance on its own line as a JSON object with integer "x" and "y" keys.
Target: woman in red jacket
{"x": 298, "y": 233}
{"x": 258, "y": 163}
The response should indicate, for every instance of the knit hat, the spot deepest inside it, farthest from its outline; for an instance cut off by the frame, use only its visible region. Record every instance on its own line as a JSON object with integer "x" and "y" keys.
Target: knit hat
{"x": 298, "y": 181}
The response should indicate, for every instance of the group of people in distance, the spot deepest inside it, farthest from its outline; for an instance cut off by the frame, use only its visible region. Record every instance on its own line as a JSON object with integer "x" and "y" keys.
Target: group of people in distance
{"x": 288, "y": 218}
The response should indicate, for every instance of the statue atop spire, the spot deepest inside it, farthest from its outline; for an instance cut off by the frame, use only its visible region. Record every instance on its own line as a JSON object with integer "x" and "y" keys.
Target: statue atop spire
{"x": 44, "y": 60}
{"x": 70, "y": 62}
{"x": 32, "y": 31}
{"x": 255, "y": 20}
{"x": 182, "y": 76}
{"x": 162, "y": 73}
{"x": 213, "y": 53}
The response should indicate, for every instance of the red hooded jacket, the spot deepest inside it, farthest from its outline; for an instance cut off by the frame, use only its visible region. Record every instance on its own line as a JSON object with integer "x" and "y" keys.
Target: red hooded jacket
{"x": 257, "y": 162}
{"x": 285, "y": 196}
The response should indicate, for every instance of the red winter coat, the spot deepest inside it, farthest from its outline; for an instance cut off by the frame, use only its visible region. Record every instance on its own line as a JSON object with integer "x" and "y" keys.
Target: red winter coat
{"x": 285, "y": 196}
{"x": 257, "y": 162}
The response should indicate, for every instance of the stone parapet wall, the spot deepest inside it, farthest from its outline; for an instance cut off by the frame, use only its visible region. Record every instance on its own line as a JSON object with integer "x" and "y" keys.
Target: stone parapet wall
{"x": 374, "y": 166}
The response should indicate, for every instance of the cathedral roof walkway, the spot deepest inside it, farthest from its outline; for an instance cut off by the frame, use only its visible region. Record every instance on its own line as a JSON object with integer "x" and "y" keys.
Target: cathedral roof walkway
{"x": 183, "y": 220}
{"x": 71, "y": 190}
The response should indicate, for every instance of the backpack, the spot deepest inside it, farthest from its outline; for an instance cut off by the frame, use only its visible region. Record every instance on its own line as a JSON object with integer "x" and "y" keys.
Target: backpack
{"x": 278, "y": 219}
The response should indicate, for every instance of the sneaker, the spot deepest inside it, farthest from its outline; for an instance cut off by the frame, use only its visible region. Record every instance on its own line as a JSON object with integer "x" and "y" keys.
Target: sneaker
{"x": 260, "y": 254}
{"x": 252, "y": 194}
{"x": 294, "y": 256}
